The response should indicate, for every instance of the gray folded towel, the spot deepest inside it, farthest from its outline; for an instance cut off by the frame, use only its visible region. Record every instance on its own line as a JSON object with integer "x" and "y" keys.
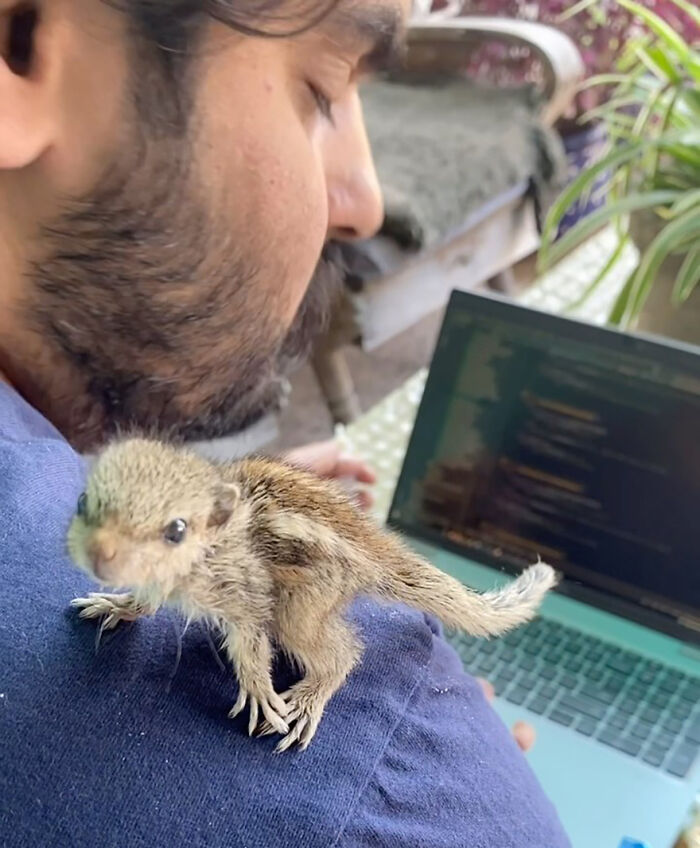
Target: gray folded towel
{"x": 444, "y": 147}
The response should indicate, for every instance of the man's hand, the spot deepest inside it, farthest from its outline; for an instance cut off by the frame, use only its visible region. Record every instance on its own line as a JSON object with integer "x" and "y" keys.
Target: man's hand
{"x": 524, "y": 734}
{"x": 326, "y": 459}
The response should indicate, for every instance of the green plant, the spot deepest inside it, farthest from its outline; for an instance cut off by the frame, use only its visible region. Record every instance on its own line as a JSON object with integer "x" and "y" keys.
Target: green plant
{"x": 653, "y": 159}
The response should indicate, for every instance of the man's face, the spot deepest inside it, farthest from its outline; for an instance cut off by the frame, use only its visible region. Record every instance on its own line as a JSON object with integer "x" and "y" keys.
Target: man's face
{"x": 160, "y": 219}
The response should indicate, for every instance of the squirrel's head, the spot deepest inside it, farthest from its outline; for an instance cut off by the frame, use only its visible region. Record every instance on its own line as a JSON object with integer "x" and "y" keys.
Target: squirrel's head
{"x": 148, "y": 515}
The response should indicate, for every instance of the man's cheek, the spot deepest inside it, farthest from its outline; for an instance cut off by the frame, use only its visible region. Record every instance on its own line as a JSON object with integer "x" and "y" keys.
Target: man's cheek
{"x": 266, "y": 169}
{"x": 295, "y": 223}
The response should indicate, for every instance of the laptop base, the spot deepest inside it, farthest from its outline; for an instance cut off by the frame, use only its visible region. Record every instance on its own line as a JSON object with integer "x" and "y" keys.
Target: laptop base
{"x": 601, "y": 795}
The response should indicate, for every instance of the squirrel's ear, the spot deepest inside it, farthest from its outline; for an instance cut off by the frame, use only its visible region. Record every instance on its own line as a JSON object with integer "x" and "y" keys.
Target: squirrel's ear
{"x": 227, "y": 496}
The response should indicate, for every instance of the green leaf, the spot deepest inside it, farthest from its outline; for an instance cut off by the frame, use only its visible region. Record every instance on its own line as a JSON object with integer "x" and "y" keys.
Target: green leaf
{"x": 588, "y": 225}
{"x": 620, "y": 126}
{"x": 686, "y": 153}
{"x": 610, "y": 263}
{"x": 612, "y": 79}
{"x": 664, "y": 127}
{"x": 611, "y": 162}
{"x": 575, "y": 10}
{"x": 612, "y": 105}
{"x": 660, "y": 28}
{"x": 627, "y": 60}
{"x": 689, "y": 103}
{"x": 650, "y": 110}
{"x": 687, "y": 201}
{"x": 676, "y": 179}
{"x": 680, "y": 170}
{"x": 689, "y": 8}
{"x": 683, "y": 227}
{"x": 620, "y": 307}
{"x": 659, "y": 63}
{"x": 693, "y": 68}
{"x": 688, "y": 277}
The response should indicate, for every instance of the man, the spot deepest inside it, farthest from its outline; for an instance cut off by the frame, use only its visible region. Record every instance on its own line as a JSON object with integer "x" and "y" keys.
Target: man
{"x": 170, "y": 171}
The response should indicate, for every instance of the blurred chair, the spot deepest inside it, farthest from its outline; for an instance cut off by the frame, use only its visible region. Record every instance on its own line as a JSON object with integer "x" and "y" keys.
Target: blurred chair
{"x": 466, "y": 170}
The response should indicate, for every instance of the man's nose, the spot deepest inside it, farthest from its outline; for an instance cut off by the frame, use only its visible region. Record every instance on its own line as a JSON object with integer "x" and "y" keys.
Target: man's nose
{"x": 355, "y": 204}
{"x": 101, "y": 551}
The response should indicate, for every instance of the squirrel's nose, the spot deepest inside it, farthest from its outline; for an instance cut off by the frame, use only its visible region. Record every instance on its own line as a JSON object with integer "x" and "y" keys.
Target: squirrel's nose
{"x": 101, "y": 551}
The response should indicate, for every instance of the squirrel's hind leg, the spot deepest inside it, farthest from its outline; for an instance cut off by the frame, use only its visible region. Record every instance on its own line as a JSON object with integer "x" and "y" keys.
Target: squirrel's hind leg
{"x": 327, "y": 655}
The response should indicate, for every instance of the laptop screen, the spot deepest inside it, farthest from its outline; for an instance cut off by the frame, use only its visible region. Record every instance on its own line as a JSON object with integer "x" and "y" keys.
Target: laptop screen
{"x": 541, "y": 436}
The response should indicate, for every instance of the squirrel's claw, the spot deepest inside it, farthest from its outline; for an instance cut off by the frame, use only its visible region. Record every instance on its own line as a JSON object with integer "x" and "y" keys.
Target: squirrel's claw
{"x": 271, "y": 706}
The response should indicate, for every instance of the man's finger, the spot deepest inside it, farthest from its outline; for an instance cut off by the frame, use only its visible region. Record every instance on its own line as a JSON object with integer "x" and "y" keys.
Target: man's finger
{"x": 327, "y": 460}
{"x": 524, "y": 734}
{"x": 487, "y": 687}
{"x": 318, "y": 457}
{"x": 348, "y": 466}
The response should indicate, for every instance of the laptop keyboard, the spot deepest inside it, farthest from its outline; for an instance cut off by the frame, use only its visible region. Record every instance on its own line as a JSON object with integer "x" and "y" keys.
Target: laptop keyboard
{"x": 642, "y": 708}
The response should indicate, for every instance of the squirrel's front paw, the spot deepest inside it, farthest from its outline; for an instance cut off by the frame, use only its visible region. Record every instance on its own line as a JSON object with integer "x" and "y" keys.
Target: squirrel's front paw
{"x": 111, "y": 608}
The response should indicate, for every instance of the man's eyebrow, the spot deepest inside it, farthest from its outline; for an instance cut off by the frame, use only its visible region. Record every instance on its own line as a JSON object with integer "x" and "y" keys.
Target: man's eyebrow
{"x": 376, "y": 30}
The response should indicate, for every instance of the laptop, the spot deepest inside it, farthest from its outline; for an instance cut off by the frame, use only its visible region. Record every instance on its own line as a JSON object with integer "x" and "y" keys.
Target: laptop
{"x": 542, "y": 436}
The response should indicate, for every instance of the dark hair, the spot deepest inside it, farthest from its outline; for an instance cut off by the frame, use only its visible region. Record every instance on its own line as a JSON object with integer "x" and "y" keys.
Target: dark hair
{"x": 173, "y": 24}
{"x": 166, "y": 39}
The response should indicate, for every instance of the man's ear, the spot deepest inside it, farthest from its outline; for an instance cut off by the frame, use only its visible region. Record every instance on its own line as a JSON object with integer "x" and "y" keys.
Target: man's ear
{"x": 226, "y": 498}
{"x": 25, "y": 117}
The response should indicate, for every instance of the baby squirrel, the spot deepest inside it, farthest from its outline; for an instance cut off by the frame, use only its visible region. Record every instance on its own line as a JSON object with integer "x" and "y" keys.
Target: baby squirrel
{"x": 272, "y": 556}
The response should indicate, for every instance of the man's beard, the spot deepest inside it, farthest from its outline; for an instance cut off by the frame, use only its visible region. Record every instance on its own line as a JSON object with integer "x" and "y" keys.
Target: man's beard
{"x": 160, "y": 319}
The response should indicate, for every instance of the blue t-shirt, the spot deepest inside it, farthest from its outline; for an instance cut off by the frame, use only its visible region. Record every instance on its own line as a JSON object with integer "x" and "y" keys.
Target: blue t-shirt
{"x": 127, "y": 747}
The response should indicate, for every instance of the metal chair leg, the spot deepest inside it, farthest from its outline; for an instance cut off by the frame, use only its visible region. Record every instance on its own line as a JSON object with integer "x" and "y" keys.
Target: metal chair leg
{"x": 503, "y": 282}
{"x": 334, "y": 378}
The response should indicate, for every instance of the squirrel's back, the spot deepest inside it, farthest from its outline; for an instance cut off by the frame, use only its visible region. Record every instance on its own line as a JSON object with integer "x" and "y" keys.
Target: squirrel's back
{"x": 309, "y": 530}
{"x": 299, "y": 520}
{"x": 272, "y": 486}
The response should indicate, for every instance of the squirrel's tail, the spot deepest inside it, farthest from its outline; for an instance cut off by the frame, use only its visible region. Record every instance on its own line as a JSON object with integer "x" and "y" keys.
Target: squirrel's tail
{"x": 413, "y": 581}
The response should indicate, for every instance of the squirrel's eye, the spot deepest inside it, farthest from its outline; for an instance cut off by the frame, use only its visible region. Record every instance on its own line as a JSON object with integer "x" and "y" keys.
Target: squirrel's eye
{"x": 82, "y": 506}
{"x": 175, "y": 531}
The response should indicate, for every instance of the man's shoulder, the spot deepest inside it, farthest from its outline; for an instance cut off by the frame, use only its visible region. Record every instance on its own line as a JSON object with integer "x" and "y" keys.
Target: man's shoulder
{"x": 450, "y": 773}
{"x": 41, "y": 474}
{"x": 20, "y": 422}
{"x": 133, "y": 740}
{"x": 408, "y": 752}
